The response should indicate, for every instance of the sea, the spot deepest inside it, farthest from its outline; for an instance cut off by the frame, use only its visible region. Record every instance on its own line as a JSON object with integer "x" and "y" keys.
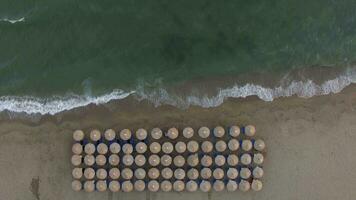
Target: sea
{"x": 58, "y": 55}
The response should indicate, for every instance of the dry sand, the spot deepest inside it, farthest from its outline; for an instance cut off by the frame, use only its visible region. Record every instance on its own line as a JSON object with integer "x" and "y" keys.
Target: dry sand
{"x": 311, "y": 146}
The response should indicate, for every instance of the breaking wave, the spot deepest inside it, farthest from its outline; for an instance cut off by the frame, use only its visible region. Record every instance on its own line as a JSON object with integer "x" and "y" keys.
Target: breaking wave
{"x": 12, "y": 21}
{"x": 305, "y": 89}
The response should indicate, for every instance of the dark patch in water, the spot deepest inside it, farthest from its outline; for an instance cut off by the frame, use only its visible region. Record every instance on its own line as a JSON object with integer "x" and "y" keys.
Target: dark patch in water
{"x": 35, "y": 187}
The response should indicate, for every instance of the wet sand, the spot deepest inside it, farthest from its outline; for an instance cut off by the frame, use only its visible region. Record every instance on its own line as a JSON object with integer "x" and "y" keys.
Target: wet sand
{"x": 310, "y": 146}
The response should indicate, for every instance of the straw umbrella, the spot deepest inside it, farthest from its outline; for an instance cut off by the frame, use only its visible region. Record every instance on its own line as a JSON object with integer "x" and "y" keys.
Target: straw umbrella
{"x": 89, "y": 173}
{"x": 179, "y": 174}
{"x": 139, "y": 185}
{"x": 250, "y": 130}
{"x": 114, "y": 173}
{"x": 166, "y": 160}
{"x": 256, "y": 185}
{"x": 95, "y": 135}
{"x": 89, "y": 148}
{"x": 126, "y": 173}
{"x": 232, "y": 173}
{"x": 109, "y": 135}
{"x": 115, "y": 147}
{"x": 258, "y": 158}
{"x": 204, "y": 132}
{"x": 100, "y": 160}
{"x": 172, "y": 133}
{"x": 246, "y": 159}
{"x": 89, "y": 186}
{"x": 140, "y": 160}
{"x": 193, "y": 160}
{"x": 233, "y": 144}
{"x": 218, "y": 185}
{"x": 102, "y": 148}
{"x": 141, "y": 134}
{"x": 114, "y": 186}
{"x": 232, "y": 160}
{"x": 167, "y": 147}
{"x": 77, "y": 148}
{"x": 244, "y": 185}
{"x": 206, "y": 161}
{"x": 77, "y": 173}
{"x": 220, "y": 160}
{"x": 219, "y": 131}
{"x": 246, "y": 145}
{"x": 259, "y": 145}
{"x": 76, "y": 185}
{"x": 220, "y": 146}
{"x": 207, "y": 146}
{"x": 218, "y": 173}
{"x": 257, "y": 172}
{"x": 140, "y": 173}
{"x": 205, "y": 173}
{"x": 155, "y": 147}
{"x": 180, "y": 147}
{"x": 126, "y": 186}
{"x": 125, "y": 134}
{"x": 76, "y": 160}
{"x": 127, "y": 148}
{"x": 101, "y": 173}
{"x": 231, "y": 186}
{"x": 245, "y": 173}
{"x": 188, "y": 132}
{"x": 179, "y": 161}
{"x": 141, "y": 147}
{"x": 153, "y": 186}
{"x": 191, "y": 186}
{"x": 178, "y": 186}
{"x": 101, "y": 186}
{"x": 166, "y": 186}
{"x": 193, "y": 146}
{"x": 128, "y": 160}
{"x": 114, "y": 160}
{"x": 154, "y": 160}
{"x": 89, "y": 160}
{"x": 167, "y": 173}
{"x": 156, "y": 133}
{"x": 192, "y": 174}
{"x": 78, "y": 135}
{"x": 153, "y": 173}
{"x": 234, "y": 131}
{"x": 205, "y": 186}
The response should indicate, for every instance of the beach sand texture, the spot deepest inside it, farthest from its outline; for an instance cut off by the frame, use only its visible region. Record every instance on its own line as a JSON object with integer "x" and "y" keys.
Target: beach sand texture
{"x": 311, "y": 145}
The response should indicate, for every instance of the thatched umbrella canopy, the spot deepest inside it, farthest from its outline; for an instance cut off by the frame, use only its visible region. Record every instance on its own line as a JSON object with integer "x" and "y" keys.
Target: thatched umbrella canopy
{"x": 193, "y": 174}
{"x": 77, "y": 185}
{"x": 179, "y": 174}
{"x": 139, "y": 185}
{"x": 172, "y": 133}
{"x": 114, "y": 186}
{"x": 220, "y": 160}
{"x": 257, "y": 172}
{"x": 115, "y": 147}
{"x": 166, "y": 186}
{"x": 141, "y": 134}
{"x": 155, "y": 147}
{"x": 205, "y": 173}
{"x": 167, "y": 147}
{"x": 220, "y": 146}
{"x": 231, "y": 186}
{"x": 193, "y": 146}
{"x": 78, "y": 135}
{"x": 114, "y": 173}
{"x": 219, "y": 131}
{"x": 179, "y": 161}
{"x": 244, "y": 185}
{"x": 204, "y": 132}
{"x": 259, "y": 145}
{"x": 153, "y": 186}
{"x": 89, "y": 186}
{"x": 114, "y": 160}
{"x": 188, "y": 132}
{"x": 180, "y": 147}
{"x": 127, "y": 148}
{"x": 250, "y": 130}
{"x": 110, "y": 135}
{"x": 193, "y": 160}
{"x": 206, "y": 161}
{"x": 218, "y": 185}
{"x": 178, "y": 186}
{"x": 154, "y": 160}
{"x": 205, "y": 186}
{"x": 102, "y": 148}
{"x": 218, "y": 173}
{"x": 128, "y": 160}
{"x": 246, "y": 159}
{"x": 166, "y": 160}
{"x": 256, "y": 185}
{"x": 258, "y": 158}
{"x": 89, "y": 148}
{"x": 77, "y": 148}
{"x": 140, "y": 160}
{"x": 232, "y": 160}
{"x": 77, "y": 173}
{"x": 100, "y": 160}
{"x": 232, "y": 173}
{"x": 191, "y": 186}
{"x": 233, "y": 145}
{"x": 153, "y": 173}
{"x": 234, "y": 131}
{"x": 207, "y": 146}
{"x": 140, "y": 173}
{"x": 167, "y": 173}
{"x": 89, "y": 173}
{"x": 126, "y": 186}
{"x": 95, "y": 135}
{"x": 125, "y": 134}
{"x": 141, "y": 147}
{"x": 89, "y": 160}
{"x": 156, "y": 133}
{"x": 246, "y": 145}
{"x": 101, "y": 186}
{"x": 101, "y": 173}
{"x": 76, "y": 160}
{"x": 126, "y": 173}
{"x": 245, "y": 173}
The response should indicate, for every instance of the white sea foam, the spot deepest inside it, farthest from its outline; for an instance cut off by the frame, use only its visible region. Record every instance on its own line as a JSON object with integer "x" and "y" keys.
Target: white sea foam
{"x": 12, "y": 21}
{"x": 306, "y": 89}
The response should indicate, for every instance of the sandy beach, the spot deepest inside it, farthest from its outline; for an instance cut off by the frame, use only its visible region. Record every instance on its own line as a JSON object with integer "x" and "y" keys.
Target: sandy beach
{"x": 310, "y": 146}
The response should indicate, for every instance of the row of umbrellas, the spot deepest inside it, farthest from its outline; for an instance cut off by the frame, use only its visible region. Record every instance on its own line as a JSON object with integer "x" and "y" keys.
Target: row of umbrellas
{"x": 166, "y": 186}
{"x": 191, "y": 146}
{"x": 168, "y": 160}
{"x": 167, "y": 173}
{"x": 157, "y": 133}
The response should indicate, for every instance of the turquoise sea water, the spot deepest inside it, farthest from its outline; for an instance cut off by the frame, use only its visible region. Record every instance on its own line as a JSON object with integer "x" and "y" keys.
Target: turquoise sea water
{"x": 66, "y": 48}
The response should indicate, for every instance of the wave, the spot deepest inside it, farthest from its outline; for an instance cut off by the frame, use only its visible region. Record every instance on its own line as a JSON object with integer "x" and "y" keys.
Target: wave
{"x": 305, "y": 89}
{"x": 12, "y": 21}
